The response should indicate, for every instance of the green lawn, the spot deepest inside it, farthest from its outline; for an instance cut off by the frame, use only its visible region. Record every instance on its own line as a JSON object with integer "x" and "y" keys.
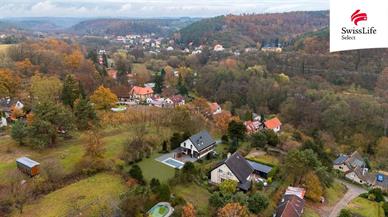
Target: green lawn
{"x": 334, "y": 193}
{"x": 155, "y": 169}
{"x": 195, "y": 195}
{"x": 266, "y": 159}
{"x": 309, "y": 212}
{"x": 365, "y": 207}
{"x": 88, "y": 196}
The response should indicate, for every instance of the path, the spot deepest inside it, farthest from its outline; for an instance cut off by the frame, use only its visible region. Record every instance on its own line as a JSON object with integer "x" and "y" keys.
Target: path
{"x": 353, "y": 192}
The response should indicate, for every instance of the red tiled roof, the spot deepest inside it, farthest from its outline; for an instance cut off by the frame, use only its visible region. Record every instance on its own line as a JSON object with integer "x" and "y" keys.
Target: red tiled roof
{"x": 272, "y": 123}
{"x": 141, "y": 90}
{"x": 213, "y": 107}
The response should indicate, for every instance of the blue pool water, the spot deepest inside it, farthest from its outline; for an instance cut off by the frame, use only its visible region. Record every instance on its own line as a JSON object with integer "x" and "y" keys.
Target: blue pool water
{"x": 174, "y": 163}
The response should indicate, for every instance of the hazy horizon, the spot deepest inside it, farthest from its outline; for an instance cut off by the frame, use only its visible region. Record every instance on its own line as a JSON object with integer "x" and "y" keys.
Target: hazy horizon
{"x": 150, "y": 9}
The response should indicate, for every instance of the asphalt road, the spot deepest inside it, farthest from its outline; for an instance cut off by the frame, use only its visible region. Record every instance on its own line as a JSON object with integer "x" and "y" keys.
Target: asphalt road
{"x": 353, "y": 192}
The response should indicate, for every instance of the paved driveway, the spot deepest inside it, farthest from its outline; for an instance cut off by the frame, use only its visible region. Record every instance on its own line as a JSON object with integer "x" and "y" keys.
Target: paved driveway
{"x": 353, "y": 192}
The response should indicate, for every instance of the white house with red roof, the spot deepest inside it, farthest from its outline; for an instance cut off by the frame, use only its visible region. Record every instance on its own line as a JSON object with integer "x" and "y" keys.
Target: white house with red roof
{"x": 141, "y": 93}
{"x": 273, "y": 124}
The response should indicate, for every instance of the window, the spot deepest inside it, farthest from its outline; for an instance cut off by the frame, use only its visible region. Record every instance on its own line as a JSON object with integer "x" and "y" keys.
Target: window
{"x": 229, "y": 173}
{"x": 220, "y": 170}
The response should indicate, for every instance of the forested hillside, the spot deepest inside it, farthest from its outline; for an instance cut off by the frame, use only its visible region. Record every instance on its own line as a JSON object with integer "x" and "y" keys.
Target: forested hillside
{"x": 247, "y": 30}
{"x": 130, "y": 26}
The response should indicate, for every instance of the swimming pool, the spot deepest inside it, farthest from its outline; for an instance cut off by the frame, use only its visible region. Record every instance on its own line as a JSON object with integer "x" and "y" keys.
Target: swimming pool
{"x": 161, "y": 209}
{"x": 173, "y": 163}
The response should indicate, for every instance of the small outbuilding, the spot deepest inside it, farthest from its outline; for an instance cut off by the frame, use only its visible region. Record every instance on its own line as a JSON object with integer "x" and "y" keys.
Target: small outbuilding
{"x": 28, "y": 166}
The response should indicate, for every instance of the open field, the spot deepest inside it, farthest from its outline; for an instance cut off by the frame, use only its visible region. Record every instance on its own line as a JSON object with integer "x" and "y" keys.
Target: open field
{"x": 194, "y": 194}
{"x": 4, "y": 48}
{"x": 366, "y": 208}
{"x": 88, "y": 196}
{"x": 70, "y": 152}
{"x": 334, "y": 193}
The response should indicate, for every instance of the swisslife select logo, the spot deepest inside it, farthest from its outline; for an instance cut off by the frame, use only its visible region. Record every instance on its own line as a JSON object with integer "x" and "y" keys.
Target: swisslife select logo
{"x": 351, "y": 33}
{"x": 358, "y": 24}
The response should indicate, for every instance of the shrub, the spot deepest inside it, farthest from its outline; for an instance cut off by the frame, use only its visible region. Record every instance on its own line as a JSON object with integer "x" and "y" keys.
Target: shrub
{"x": 257, "y": 203}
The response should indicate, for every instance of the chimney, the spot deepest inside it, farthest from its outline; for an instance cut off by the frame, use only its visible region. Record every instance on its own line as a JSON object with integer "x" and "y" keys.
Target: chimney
{"x": 364, "y": 171}
{"x": 228, "y": 156}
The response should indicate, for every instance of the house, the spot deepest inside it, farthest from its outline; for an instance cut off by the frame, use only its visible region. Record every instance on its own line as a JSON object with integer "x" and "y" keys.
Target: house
{"x": 252, "y": 126}
{"x": 273, "y": 124}
{"x": 176, "y": 100}
{"x": 292, "y": 203}
{"x": 345, "y": 163}
{"x": 141, "y": 93}
{"x": 198, "y": 145}
{"x": 218, "y": 48}
{"x": 28, "y": 166}
{"x": 360, "y": 175}
{"x": 237, "y": 168}
{"x": 156, "y": 101}
{"x": 215, "y": 108}
{"x": 6, "y": 107}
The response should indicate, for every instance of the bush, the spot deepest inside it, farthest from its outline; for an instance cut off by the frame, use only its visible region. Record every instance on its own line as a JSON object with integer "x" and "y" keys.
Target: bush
{"x": 257, "y": 203}
{"x": 385, "y": 207}
{"x": 136, "y": 173}
{"x": 345, "y": 213}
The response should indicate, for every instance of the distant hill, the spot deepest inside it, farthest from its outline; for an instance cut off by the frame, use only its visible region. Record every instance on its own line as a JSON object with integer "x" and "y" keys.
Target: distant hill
{"x": 131, "y": 26}
{"x": 44, "y": 24}
{"x": 248, "y": 30}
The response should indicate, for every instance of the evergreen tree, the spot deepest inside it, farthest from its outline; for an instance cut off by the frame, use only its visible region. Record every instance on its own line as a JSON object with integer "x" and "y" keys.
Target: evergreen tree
{"x": 71, "y": 90}
{"x": 19, "y": 131}
{"x": 85, "y": 114}
{"x": 136, "y": 173}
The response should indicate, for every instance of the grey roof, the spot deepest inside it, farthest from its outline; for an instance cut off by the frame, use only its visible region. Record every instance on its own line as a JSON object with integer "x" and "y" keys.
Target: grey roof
{"x": 355, "y": 160}
{"x": 290, "y": 206}
{"x": 260, "y": 167}
{"x": 202, "y": 140}
{"x": 239, "y": 167}
{"x": 341, "y": 159}
{"x": 27, "y": 162}
{"x": 245, "y": 186}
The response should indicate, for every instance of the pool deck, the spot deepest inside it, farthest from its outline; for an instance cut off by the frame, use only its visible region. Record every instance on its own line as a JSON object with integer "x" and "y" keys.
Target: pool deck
{"x": 173, "y": 154}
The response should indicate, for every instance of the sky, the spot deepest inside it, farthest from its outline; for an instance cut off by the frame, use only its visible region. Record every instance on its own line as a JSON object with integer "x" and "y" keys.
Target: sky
{"x": 151, "y": 8}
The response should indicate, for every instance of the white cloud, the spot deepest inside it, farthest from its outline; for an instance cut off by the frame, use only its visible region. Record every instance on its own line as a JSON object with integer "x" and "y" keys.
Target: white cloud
{"x": 151, "y": 8}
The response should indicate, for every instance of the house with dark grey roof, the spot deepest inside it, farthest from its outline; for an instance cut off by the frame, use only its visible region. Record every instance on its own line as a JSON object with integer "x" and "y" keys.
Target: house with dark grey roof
{"x": 236, "y": 167}
{"x": 346, "y": 163}
{"x": 198, "y": 145}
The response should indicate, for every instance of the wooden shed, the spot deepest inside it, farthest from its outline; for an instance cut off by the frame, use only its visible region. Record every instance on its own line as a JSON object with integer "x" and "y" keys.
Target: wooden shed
{"x": 28, "y": 166}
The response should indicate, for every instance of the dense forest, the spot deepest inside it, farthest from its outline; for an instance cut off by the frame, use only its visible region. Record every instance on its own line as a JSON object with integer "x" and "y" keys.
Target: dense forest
{"x": 162, "y": 27}
{"x": 248, "y": 30}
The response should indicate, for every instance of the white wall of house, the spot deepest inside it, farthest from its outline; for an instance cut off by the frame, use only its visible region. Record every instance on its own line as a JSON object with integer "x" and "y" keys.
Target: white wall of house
{"x": 277, "y": 129}
{"x": 3, "y": 122}
{"x": 342, "y": 167}
{"x": 217, "y": 111}
{"x": 352, "y": 176}
{"x": 222, "y": 173}
{"x": 189, "y": 145}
